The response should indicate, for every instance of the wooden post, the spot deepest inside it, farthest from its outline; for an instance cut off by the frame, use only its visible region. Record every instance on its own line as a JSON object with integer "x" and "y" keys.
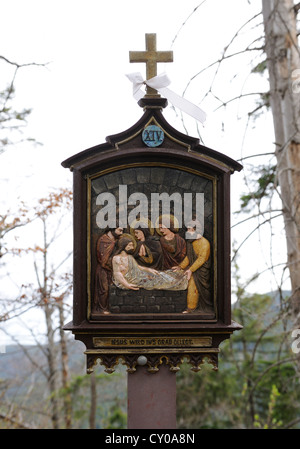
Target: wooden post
{"x": 152, "y": 399}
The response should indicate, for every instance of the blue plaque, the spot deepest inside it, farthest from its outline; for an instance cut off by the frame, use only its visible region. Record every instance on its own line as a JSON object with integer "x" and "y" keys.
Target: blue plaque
{"x": 153, "y": 136}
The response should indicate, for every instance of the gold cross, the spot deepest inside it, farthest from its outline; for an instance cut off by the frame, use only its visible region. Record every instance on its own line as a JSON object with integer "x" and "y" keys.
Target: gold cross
{"x": 151, "y": 57}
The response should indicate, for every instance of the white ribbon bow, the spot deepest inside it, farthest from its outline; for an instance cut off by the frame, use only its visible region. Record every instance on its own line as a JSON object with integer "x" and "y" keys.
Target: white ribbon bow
{"x": 160, "y": 83}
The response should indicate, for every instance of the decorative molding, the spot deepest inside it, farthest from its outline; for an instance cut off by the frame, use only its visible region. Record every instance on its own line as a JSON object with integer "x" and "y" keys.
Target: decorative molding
{"x": 196, "y": 360}
{"x": 153, "y": 361}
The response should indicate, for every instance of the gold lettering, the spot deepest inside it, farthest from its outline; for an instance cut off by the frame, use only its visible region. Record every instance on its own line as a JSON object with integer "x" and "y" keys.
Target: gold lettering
{"x": 119, "y": 341}
{"x": 173, "y": 341}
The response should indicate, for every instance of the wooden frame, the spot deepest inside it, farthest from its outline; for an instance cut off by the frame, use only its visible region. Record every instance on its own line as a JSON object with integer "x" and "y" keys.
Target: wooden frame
{"x": 179, "y": 152}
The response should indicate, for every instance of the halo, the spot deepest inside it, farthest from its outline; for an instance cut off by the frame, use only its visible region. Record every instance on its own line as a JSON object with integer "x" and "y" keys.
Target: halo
{"x": 136, "y": 222}
{"x": 130, "y": 237}
{"x": 170, "y": 218}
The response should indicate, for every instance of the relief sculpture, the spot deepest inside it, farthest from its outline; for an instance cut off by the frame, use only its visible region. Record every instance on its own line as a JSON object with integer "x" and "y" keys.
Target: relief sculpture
{"x": 128, "y": 274}
{"x": 165, "y": 255}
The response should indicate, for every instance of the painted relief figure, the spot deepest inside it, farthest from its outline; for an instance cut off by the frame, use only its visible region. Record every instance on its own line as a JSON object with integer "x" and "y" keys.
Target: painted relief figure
{"x": 103, "y": 278}
{"x": 148, "y": 252}
{"x": 173, "y": 246}
{"x": 197, "y": 265}
{"x": 128, "y": 274}
{"x": 150, "y": 264}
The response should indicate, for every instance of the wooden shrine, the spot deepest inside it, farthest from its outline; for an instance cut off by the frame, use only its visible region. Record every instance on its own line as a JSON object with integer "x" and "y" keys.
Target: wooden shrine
{"x": 152, "y": 244}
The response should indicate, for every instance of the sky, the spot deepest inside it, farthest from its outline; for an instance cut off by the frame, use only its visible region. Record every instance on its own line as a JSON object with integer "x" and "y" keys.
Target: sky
{"x": 80, "y": 94}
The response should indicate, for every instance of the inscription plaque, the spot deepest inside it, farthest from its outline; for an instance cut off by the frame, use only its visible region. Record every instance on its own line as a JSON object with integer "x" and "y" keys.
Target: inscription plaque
{"x": 161, "y": 341}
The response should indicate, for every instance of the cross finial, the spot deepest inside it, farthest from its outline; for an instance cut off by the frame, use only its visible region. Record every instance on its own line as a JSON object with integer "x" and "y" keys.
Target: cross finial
{"x": 151, "y": 57}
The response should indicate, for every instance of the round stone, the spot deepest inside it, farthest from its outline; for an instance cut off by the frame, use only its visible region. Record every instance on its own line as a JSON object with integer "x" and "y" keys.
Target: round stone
{"x": 142, "y": 360}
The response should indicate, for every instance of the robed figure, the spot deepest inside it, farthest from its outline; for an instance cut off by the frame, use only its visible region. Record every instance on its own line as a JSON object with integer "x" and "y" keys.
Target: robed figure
{"x": 148, "y": 252}
{"x": 128, "y": 274}
{"x": 197, "y": 264}
{"x": 172, "y": 244}
{"x": 103, "y": 277}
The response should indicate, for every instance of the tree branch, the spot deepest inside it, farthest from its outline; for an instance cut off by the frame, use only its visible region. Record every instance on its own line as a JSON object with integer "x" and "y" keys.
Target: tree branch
{"x": 255, "y": 155}
{"x": 296, "y": 8}
{"x": 184, "y": 23}
{"x": 16, "y": 64}
{"x": 252, "y": 232}
{"x": 15, "y": 422}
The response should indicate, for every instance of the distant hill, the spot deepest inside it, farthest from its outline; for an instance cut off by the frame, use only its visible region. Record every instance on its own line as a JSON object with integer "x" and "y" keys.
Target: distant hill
{"x": 24, "y": 386}
{"x": 23, "y": 383}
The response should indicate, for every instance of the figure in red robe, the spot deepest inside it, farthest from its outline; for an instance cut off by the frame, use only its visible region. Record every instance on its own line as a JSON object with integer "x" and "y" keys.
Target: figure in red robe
{"x": 173, "y": 246}
{"x": 103, "y": 278}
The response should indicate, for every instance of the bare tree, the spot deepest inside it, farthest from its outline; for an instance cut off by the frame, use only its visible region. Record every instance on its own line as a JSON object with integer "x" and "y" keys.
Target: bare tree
{"x": 12, "y": 120}
{"x": 273, "y": 48}
{"x": 48, "y": 292}
{"x": 51, "y": 296}
{"x": 283, "y": 60}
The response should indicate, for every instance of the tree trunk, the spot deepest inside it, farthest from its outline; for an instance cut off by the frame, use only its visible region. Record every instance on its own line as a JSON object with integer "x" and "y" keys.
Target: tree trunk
{"x": 52, "y": 366}
{"x": 283, "y": 59}
{"x": 65, "y": 368}
{"x": 51, "y": 349}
